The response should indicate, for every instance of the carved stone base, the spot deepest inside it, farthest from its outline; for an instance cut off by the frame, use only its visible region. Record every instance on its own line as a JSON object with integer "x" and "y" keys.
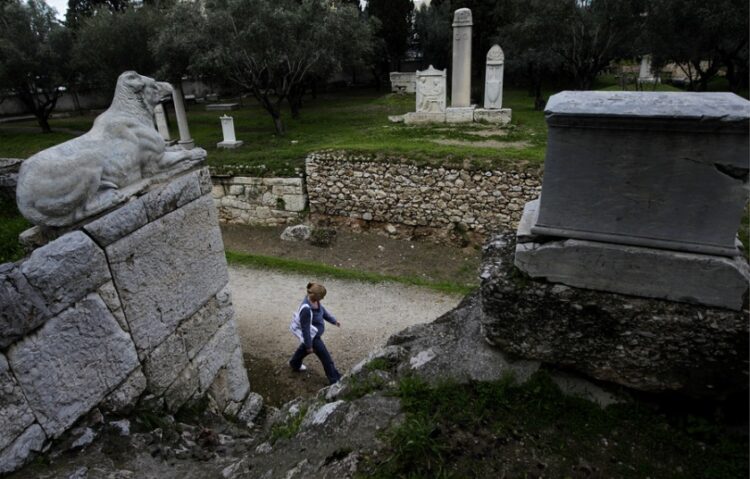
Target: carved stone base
{"x": 416, "y": 118}
{"x": 229, "y": 144}
{"x": 459, "y": 114}
{"x": 500, "y": 116}
{"x": 635, "y": 270}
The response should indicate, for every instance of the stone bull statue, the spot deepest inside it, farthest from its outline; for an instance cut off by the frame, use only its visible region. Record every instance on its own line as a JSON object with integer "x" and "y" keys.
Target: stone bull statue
{"x": 71, "y": 181}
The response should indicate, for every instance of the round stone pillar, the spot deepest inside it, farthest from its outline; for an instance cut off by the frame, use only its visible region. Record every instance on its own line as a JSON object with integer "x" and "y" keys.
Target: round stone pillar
{"x": 182, "y": 124}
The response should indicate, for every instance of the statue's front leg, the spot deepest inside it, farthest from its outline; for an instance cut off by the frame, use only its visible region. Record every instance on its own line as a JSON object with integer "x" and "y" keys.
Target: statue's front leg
{"x": 171, "y": 157}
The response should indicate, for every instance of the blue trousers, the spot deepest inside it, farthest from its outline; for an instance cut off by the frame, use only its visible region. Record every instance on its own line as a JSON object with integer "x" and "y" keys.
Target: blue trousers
{"x": 319, "y": 348}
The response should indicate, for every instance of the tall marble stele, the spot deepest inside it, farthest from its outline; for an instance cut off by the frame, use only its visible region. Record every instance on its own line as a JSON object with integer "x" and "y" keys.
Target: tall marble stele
{"x": 461, "y": 109}
{"x": 431, "y": 97}
{"x": 493, "y": 111}
{"x": 643, "y": 194}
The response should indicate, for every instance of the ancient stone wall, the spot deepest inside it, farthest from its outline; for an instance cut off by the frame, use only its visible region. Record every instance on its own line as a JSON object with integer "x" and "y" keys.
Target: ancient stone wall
{"x": 133, "y": 306}
{"x": 411, "y": 198}
{"x": 259, "y": 201}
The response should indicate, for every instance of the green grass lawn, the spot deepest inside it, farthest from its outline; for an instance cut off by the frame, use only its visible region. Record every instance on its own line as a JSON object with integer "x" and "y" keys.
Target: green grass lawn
{"x": 352, "y": 120}
{"x": 11, "y": 225}
{"x": 355, "y": 121}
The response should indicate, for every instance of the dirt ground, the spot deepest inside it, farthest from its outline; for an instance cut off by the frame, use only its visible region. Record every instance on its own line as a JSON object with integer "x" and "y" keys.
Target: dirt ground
{"x": 363, "y": 251}
{"x": 369, "y": 313}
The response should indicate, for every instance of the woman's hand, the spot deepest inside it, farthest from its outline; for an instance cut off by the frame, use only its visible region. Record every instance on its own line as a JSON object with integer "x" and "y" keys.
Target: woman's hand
{"x": 337, "y": 323}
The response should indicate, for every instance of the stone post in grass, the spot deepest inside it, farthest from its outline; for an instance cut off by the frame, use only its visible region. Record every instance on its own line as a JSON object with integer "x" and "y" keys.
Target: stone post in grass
{"x": 461, "y": 109}
{"x": 493, "y": 111}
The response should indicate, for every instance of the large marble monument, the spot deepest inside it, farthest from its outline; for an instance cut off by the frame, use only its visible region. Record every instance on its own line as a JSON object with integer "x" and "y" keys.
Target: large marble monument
{"x": 431, "y": 97}
{"x": 82, "y": 177}
{"x": 642, "y": 194}
{"x": 493, "y": 111}
{"x": 461, "y": 109}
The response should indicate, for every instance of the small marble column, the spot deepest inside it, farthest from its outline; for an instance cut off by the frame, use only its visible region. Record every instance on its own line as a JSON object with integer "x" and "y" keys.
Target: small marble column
{"x": 182, "y": 124}
{"x": 493, "y": 79}
{"x": 160, "y": 117}
{"x": 227, "y": 129}
{"x": 461, "y": 76}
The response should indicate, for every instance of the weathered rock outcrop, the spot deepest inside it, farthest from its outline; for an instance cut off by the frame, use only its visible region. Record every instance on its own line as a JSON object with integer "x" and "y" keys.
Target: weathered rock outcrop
{"x": 645, "y": 344}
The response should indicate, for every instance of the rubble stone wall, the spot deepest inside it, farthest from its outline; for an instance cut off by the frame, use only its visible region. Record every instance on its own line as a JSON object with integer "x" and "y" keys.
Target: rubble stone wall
{"x": 259, "y": 201}
{"x": 131, "y": 306}
{"x": 410, "y": 197}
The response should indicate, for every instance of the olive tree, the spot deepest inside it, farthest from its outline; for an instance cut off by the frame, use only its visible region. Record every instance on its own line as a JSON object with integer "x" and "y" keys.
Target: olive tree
{"x": 701, "y": 37}
{"x": 112, "y": 42}
{"x": 34, "y": 52}
{"x": 271, "y": 48}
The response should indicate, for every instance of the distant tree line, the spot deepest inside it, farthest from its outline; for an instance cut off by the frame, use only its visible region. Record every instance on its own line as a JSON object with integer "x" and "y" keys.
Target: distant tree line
{"x": 570, "y": 42}
{"x": 277, "y": 50}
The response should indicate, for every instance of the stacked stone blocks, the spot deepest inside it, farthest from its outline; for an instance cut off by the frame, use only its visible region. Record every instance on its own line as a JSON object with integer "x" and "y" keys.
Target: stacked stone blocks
{"x": 259, "y": 201}
{"x": 134, "y": 304}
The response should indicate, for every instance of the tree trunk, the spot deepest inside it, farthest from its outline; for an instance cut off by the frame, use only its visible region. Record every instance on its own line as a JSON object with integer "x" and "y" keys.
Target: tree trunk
{"x": 76, "y": 101}
{"x": 539, "y": 102}
{"x": 294, "y": 105}
{"x": 279, "y": 125}
{"x": 42, "y": 119}
{"x": 295, "y": 100}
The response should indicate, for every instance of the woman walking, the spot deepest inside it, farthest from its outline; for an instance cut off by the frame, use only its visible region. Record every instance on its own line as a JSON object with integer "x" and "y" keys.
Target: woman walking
{"x": 308, "y": 325}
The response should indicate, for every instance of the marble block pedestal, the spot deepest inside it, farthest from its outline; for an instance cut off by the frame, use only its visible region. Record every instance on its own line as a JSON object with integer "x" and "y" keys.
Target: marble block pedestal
{"x": 419, "y": 118}
{"x": 636, "y": 270}
{"x": 229, "y": 144}
{"x": 459, "y": 114}
{"x": 499, "y": 116}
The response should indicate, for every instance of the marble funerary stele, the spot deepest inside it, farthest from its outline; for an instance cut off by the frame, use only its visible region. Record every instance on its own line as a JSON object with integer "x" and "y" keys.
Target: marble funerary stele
{"x": 69, "y": 182}
{"x": 431, "y": 91}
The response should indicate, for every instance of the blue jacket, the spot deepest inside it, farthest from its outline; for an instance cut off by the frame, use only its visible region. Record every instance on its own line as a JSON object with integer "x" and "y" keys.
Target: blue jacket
{"x": 315, "y": 317}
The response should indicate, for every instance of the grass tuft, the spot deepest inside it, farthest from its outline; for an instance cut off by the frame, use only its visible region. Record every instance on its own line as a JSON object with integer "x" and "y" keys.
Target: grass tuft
{"x": 319, "y": 269}
{"x": 288, "y": 428}
{"x": 11, "y": 225}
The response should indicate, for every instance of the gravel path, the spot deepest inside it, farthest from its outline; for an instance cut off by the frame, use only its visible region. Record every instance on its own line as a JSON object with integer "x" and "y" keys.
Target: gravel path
{"x": 369, "y": 313}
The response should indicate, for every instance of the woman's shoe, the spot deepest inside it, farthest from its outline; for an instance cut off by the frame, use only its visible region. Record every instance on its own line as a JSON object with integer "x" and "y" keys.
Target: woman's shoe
{"x": 301, "y": 368}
